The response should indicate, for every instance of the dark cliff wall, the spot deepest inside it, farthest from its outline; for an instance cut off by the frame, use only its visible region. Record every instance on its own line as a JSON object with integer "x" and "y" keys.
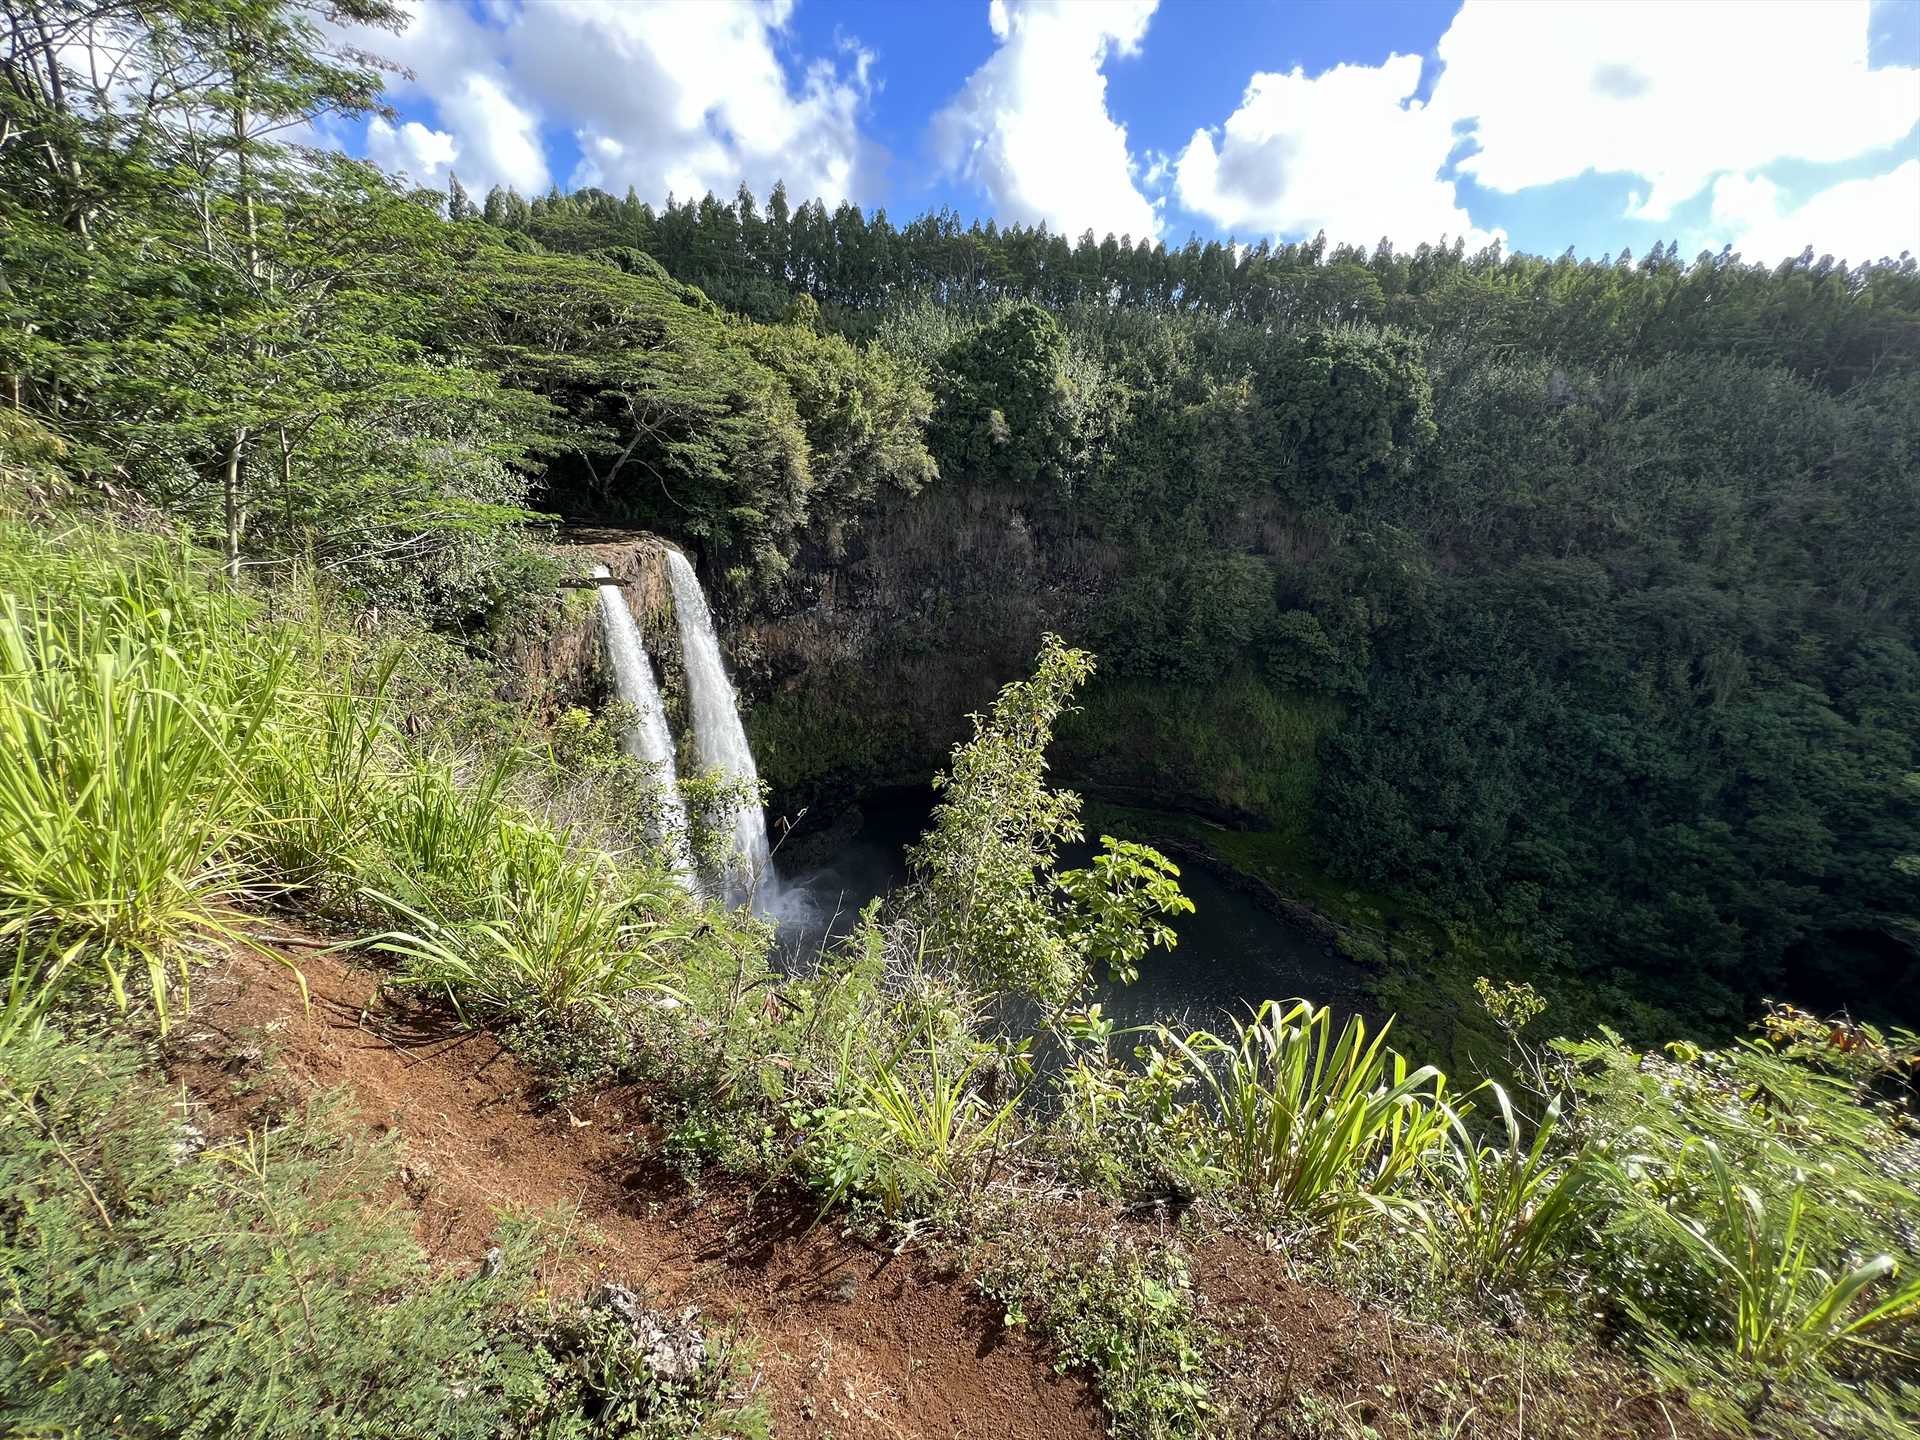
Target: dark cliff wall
{"x": 917, "y": 621}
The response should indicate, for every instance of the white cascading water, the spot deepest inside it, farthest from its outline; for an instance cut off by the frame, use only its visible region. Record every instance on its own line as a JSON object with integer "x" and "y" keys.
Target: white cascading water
{"x": 719, "y": 739}
{"x": 648, "y": 739}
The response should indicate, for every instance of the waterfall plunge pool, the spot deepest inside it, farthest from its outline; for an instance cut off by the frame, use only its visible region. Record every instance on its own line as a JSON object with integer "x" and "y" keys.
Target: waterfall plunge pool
{"x": 1233, "y": 951}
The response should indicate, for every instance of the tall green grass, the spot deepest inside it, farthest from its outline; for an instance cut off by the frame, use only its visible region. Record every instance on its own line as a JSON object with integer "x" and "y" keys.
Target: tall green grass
{"x": 168, "y": 753}
{"x": 924, "y": 1121}
{"x": 317, "y": 784}
{"x": 1781, "y": 1309}
{"x": 1509, "y": 1202}
{"x": 126, "y": 736}
{"x": 542, "y": 927}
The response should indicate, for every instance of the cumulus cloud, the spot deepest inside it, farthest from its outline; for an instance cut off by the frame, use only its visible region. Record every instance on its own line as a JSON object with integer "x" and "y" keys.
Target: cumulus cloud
{"x": 412, "y": 149}
{"x": 499, "y": 137}
{"x": 1857, "y": 220}
{"x": 1674, "y": 97}
{"x": 1031, "y": 126}
{"x": 679, "y": 96}
{"x": 1531, "y": 95}
{"x": 1350, "y": 152}
{"x": 689, "y": 96}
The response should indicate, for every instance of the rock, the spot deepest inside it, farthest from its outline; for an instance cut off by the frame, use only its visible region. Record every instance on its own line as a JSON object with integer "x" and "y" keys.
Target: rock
{"x": 672, "y": 1344}
{"x": 188, "y": 1141}
{"x": 676, "y": 1347}
{"x": 625, "y": 1303}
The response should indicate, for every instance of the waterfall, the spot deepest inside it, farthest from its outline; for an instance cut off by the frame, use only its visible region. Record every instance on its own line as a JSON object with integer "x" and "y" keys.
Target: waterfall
{"x": 718, "y": 737}
{"x": 648, "y": 740}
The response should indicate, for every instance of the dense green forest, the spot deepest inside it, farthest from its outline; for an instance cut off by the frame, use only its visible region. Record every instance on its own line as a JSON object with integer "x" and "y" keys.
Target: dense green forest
{"x": 1610, "y": 567}
{"x": 1594, "y": 582}
{"x": 1559, "y": 616}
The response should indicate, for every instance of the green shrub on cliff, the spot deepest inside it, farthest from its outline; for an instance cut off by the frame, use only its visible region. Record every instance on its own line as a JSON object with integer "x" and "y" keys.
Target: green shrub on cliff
{"x": 987, "y": 892}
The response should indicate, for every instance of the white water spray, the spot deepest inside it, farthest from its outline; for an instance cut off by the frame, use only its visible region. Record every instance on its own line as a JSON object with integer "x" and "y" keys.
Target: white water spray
{"x": 648, "y": 739}
{"x": 719, "y": 739}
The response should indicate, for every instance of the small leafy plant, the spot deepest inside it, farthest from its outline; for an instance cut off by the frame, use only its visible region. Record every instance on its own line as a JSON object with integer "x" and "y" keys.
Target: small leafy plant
{"x": 1130, "y": 1319}
{"x": 1315, "y": 1125}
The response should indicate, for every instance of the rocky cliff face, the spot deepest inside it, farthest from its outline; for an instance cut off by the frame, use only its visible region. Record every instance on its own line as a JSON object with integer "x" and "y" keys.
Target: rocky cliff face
{"x": 888, "y": 638}
{"x": 563, "y": 662}
{"x": 897, "y": 633}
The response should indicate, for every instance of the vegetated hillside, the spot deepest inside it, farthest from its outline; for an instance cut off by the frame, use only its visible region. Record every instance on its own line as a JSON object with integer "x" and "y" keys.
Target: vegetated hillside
{"x": 1574, "y": 599}
{"x": 1283, "y": 1227}
{"x": 1570, "y": 602}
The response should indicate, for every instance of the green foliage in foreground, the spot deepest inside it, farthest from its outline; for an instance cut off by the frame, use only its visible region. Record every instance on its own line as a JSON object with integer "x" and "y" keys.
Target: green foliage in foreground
{"x": 125, "y": 743}
{"x": 1741, "y": 1220}
{"x": 167, "y": 751}
{"x": 1315, "y": 1123}
{"x": 154, "y": 1286}
{"x": 141, "y": 1275}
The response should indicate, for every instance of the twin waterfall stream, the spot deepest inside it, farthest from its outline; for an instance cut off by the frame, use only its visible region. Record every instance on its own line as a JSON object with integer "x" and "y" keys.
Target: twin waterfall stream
{"x": 719, "y": 740}
{"x": 1230, "y": 949}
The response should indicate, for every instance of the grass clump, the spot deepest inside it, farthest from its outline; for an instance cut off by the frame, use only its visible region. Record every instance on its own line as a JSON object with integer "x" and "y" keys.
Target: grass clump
{"x": 1315, "y": 1123}
{"x": 125, "y": 740}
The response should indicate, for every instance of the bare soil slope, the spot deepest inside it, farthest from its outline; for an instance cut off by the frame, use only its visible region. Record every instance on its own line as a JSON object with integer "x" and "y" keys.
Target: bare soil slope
{"x": 854, "y": 1342}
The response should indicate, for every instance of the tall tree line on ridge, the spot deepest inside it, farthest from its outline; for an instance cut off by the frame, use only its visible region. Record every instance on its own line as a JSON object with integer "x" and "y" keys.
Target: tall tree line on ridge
{"x": 1822, "y": 318}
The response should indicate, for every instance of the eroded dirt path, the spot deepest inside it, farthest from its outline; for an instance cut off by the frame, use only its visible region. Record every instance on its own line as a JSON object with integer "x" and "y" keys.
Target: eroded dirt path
{"x": 853, "y": 1342}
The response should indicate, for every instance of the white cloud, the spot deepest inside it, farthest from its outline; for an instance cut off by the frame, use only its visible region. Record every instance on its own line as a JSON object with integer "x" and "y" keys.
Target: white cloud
{"x": 1674, "y": 96}
{"x": 1544, "y": 93}
{"x": 1855, "y": 220}
{"x": 411, "y": 148}
{"x": 674, "y": 95}
{"x": 500, "y": 138}
{"x": 1350, "y": 152}
{"x": 1031, "y": 126}
{"x": 690, "y": 96}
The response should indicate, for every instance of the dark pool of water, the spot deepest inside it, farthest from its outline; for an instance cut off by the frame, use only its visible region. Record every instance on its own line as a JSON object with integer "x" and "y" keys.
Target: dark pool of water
{"x": 1232, "y": 951}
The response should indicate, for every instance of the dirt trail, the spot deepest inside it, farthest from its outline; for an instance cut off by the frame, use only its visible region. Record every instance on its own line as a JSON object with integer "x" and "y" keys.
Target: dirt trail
{"x": 853, "y": 1341}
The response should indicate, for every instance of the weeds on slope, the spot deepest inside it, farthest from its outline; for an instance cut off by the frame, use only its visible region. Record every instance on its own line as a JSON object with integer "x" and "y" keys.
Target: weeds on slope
{"x": 126, "y": 739}
{"x": 1743, "y": 1219}
{"x": 168, "y": 751}
{"x": 154, "y": 1285}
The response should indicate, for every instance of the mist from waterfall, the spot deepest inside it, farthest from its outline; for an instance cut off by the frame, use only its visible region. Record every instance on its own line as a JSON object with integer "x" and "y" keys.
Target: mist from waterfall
{"x": 648, "y": 738}
{"x": 719, "y": 739}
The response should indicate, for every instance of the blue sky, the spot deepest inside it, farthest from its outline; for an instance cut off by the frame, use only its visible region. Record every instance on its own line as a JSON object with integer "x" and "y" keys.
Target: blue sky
{"x": 1592, "y": 125}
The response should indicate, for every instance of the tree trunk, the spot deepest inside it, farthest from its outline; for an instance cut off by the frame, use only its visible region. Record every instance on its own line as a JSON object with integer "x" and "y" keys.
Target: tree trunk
{"x": 235, "y": 515}
{"x": 66, "y": 166}
{"x": 242, "y": 114}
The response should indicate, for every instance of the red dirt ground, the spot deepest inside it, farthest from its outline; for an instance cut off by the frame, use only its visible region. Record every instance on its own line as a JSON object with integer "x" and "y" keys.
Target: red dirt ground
{"x": 853, "y": 1342}
{"x": 1400, "y": 1381}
